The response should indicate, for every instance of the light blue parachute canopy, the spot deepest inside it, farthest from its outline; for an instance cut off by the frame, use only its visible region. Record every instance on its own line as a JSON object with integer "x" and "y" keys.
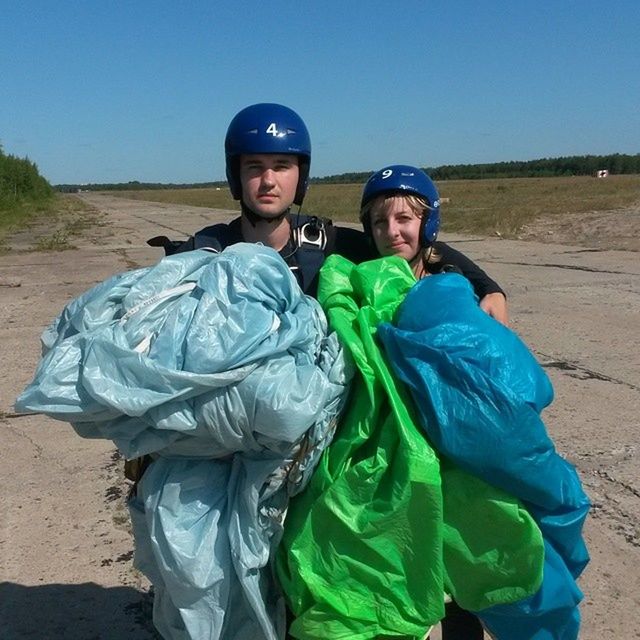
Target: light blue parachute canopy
{"x": 479, "y": 393}
{"x": 224, "y": 371}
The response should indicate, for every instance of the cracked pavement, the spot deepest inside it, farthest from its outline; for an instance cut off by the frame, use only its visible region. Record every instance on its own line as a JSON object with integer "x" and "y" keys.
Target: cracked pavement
{"x": 64, "y": 542}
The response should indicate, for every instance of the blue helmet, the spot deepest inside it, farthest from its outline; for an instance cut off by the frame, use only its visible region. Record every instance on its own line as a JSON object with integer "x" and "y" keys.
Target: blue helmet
{"x": 403, "y": 179}
{"x": 267, "y": 128}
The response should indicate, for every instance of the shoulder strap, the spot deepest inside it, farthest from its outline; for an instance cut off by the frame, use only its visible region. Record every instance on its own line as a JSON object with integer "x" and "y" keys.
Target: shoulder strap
{"x": 311, "y": 237}
{"x": 216, "y": 237}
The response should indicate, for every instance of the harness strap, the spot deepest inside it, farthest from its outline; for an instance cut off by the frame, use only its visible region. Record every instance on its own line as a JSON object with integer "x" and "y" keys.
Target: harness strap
{"x": 310, "y": 241}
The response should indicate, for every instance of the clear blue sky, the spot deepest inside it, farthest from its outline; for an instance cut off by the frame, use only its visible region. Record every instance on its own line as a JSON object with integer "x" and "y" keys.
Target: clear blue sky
{"x": 111, "y": 91}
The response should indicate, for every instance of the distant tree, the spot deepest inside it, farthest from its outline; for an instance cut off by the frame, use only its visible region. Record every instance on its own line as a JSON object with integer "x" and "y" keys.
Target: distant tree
{"x": 20, "y": 180}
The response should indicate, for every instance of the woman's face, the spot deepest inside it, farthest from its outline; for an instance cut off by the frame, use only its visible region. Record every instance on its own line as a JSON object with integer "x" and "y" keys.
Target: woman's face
{"x": 395, "y": 227}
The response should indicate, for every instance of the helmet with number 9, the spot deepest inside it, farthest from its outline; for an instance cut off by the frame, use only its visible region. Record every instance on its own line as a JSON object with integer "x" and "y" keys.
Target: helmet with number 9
{"x": 400, "y": 179}
{"x": 267, "y": 128}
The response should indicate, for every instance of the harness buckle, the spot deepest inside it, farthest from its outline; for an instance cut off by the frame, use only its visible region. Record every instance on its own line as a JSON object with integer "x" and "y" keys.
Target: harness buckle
{"x": 312, "y": 233}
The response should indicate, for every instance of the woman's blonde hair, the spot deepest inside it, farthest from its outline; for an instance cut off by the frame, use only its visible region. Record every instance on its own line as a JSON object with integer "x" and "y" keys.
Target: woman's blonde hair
{"x": 418, "y": 205}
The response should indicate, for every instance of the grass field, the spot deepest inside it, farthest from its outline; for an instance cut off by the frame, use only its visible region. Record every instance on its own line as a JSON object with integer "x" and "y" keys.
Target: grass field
{"x": 474, "y": 206}
{"x": 20, "y": 213}
{"x": 64, "y": 215}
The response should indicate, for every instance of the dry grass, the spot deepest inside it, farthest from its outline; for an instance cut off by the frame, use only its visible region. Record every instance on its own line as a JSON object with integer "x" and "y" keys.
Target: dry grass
{"x": 213, "y": 198}
{"x": 509, "y": 204}
{"x": 48, "y": 226}
{"x": 474, "y": 206}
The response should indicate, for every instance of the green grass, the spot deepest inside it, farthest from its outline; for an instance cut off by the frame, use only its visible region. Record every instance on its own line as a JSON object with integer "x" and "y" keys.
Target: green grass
{"x": 19, "y": 214}
{"x": 474, "y": 206}
{"x": 53, "y": 222}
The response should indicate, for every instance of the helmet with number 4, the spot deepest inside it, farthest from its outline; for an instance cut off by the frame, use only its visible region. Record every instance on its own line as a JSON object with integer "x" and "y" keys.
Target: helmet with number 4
{"x": 401, "y": 179}
{"x": 267, "y": 128}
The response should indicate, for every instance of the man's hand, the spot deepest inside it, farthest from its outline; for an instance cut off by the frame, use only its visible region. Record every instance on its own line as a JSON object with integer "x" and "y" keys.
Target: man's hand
{"x": 495, "y": 304}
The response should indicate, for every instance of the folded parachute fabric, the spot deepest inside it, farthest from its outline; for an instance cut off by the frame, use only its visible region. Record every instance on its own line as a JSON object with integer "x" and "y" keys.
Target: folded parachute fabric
{"x": 383, "y": 528}
{"x": 479, "y": 393}
{"x": 224, "y": 371}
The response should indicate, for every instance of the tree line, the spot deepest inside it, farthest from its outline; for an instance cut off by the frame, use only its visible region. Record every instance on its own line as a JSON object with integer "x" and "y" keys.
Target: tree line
{"x": 135, "y": 185}
{"x": 20, "y": 181}
{"x": 616, "y": 163}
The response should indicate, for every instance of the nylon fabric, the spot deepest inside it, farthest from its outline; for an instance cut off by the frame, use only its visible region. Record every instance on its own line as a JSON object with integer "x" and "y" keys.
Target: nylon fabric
{"x": 373, "y": 542}
{"x": 233, "y": 385}
{"x": 474, "y": 381}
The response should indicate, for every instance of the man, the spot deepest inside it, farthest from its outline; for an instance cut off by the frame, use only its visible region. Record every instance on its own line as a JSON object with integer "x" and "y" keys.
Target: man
{"x": 268, "y": 157}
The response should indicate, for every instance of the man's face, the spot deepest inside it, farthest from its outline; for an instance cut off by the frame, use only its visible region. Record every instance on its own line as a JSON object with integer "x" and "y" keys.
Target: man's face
{"x": 269, "y": 182}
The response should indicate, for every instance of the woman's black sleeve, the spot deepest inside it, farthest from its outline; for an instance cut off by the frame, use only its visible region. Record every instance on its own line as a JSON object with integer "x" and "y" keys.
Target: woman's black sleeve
{"x": 352, "y": 244}
{"x": 481, "y": 282}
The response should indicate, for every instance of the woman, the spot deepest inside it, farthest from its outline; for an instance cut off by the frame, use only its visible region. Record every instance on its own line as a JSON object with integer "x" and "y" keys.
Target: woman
{"x": 400, "y": 210}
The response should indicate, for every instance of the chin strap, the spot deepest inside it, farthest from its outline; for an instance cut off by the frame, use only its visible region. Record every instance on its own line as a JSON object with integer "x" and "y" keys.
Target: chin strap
{"x": 254, "y": 217}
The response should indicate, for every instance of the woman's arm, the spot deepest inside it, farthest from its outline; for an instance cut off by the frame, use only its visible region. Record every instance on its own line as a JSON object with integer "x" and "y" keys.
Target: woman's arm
{"x": 493, "y": 299}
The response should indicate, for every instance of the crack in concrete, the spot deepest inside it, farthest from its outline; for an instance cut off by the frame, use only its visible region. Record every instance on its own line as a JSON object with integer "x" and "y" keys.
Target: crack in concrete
{"x": 582, "y": 373}
{"x": 619, "y": 521}
{"x": 607, "y": 508}
{"x": 21, "y": 434}
{"x": 571, "y": 267}
{"x": 584, "y": 251}
{"x": 155, "y": 223}
{"x": 603, "y": 473}
{"x": 128, "y": 261}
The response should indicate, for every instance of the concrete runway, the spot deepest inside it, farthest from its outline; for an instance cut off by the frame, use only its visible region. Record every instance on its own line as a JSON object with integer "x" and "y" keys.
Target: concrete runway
{"x": 64, "y": 545}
